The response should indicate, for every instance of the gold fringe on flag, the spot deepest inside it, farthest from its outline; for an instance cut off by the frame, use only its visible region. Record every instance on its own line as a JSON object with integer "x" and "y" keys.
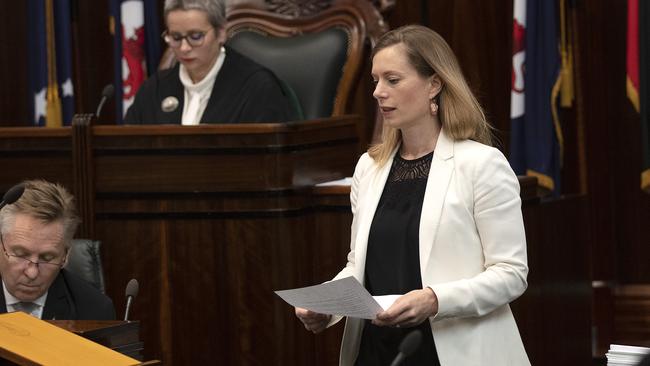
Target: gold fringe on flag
{"x": 53, "y": 117}
{"x": 556, "y": 118}
{"x": 564, "y": 85}
{"x": 111, "y": 25}
{"x": 632, "y": 94}
{"x": 567, "y": 93}
{"x": 645, "y": 180}
{"x": 544, "y": 181}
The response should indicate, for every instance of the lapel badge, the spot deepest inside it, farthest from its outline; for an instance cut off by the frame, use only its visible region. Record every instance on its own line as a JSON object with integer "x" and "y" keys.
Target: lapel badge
{"x": 169, "y": 104}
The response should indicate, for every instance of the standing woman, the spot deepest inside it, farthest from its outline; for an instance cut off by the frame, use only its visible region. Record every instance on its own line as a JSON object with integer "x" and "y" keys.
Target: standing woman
{"x": 436, "y": 218}
{"x": 211, "y": 83}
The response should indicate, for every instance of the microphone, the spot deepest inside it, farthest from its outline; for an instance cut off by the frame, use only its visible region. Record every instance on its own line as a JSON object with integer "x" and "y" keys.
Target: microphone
{"x": 131, "y": 292}
{"x": 12, "y": 195}
{"x": 106, "y": 94}
{"x": 409, "y": 344}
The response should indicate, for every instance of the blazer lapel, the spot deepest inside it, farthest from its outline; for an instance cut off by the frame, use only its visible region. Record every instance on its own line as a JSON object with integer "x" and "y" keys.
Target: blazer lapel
{"x": 440, "y": 174}
{"x": 58, "y": 304}
{"x": 373, "y": 190}
{"x": 171, "y": 86}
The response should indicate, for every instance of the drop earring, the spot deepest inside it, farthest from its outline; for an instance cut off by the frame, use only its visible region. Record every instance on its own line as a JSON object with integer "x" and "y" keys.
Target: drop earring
{"x": 434, "y": 107}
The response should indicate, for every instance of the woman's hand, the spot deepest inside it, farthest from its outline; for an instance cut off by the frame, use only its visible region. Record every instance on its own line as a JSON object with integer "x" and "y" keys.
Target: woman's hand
{"x": 410, "y": 309}
{"x": 312, "y": 321}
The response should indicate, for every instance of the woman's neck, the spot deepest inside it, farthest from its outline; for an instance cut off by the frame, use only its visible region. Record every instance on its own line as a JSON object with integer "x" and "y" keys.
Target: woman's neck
{"x": 419, "y": 140}
{"x": 198, "y": 75}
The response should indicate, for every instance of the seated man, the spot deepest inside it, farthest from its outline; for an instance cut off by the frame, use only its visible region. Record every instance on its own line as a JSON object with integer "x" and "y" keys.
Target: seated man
{"x": 36, "y": 233}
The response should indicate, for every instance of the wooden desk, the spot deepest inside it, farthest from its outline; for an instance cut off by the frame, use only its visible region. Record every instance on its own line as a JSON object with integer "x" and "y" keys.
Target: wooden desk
{"x": 30, "y": 341}
{"x": 210, "y": 220}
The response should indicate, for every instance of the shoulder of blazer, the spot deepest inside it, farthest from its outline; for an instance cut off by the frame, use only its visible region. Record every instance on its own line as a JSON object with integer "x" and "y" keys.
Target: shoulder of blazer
{"x": 241, "y": 63}
{"x": 164, "y": 82}
{"x": 167, "y": 81}
{"x": 367, "y": 167}
{"x": 89, "y": 302}
{"x": 242, "y": 73}
{"x": 363, "y": 164}
{"x": 479, "y": 163}
{"x": 168, "y": 74}
{"x": 474, "y": 153}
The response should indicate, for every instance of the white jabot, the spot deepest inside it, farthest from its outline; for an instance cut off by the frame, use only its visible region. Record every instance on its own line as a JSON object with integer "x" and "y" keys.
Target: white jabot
{"x": 33, "y": 308}
{"x": 198, "y": 94}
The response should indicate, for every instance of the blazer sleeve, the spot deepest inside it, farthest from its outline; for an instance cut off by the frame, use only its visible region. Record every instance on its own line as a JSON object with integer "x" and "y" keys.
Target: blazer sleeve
{"x": 499, "y": 223}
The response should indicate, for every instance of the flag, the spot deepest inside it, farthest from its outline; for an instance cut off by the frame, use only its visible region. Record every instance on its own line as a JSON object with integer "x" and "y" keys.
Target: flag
{"x": 136, "y": 43}
{"x": 638, "y": 71}
{"x": 50, "y": 62}
{"x": 535, "y": 145}
{"x": 632, "y": 79}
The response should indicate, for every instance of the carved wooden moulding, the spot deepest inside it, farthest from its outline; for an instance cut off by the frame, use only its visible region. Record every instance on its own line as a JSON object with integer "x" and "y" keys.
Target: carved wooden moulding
{"x": 298, "y": 8}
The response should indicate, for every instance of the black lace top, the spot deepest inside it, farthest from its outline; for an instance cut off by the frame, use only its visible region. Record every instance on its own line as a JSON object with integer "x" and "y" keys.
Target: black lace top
{"x": 393, "y": 262}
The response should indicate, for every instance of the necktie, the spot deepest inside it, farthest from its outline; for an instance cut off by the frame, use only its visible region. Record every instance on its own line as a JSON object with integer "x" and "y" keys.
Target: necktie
{"x": 26, "y": 307}
{"x": 190, "y": 117}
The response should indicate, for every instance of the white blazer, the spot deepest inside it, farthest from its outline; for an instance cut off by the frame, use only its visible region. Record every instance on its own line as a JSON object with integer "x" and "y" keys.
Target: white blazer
{"x": 472, "y": 252}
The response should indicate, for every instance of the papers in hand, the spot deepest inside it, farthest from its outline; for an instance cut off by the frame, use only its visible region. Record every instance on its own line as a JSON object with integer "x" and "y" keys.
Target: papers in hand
{"x": 344, "y": 297}
{"x": 341, "y": 182}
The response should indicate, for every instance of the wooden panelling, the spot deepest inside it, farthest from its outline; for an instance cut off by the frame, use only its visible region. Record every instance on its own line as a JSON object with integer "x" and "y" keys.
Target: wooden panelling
{"x": 558, "y": 299}
{"x": 32, "y": 153}
{"x": 210, "y": 237}
{"x": 13, "y": 66}
{"x": 211, "y": 246}
{"x": 632, "y": 315}
{"x": 93, "y": 53}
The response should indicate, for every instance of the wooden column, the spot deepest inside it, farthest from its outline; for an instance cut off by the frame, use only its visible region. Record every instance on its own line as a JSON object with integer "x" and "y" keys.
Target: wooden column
{"x": 83, "y": 173}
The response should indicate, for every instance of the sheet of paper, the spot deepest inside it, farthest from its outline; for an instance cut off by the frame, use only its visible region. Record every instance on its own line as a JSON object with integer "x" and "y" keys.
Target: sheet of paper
{"x": 345, "y": 297}
{"x": 386, "y": 301}
{"x": 340, "y": 182}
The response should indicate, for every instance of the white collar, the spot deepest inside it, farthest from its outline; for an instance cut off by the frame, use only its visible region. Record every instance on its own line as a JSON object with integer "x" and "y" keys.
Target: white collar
{"x": 207, "y": 82}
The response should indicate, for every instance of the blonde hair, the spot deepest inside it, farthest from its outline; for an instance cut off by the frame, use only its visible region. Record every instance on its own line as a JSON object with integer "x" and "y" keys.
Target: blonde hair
{"x": 45, "y": 201}
{"x": 460, "y": 113}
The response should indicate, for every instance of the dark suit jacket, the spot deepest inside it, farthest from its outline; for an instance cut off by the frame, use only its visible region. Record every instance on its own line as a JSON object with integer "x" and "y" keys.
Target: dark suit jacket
{"x": 243, "y": 91}
{"x": 71, "y": 298}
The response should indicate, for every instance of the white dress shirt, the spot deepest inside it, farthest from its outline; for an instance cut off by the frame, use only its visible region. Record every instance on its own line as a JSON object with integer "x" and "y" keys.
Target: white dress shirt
{"x": 11, "y": 302}
{"x": 198, "y": 94}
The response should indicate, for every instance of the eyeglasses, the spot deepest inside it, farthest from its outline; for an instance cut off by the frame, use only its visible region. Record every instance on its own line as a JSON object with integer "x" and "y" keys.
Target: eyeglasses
{"x": 194, "y": 39}
{"x": 22, "y": 260}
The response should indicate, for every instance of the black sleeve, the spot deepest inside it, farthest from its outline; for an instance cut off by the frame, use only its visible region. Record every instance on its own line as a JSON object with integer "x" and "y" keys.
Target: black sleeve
{"x": 134, "y": 113}
{"x": 265, "y": 100}
{"x": 89, "y": 302}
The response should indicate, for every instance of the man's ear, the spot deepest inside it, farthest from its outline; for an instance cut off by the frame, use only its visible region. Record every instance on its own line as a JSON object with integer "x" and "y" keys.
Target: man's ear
{"x": 436, "y": 86}
{"x": 67, "y": 255}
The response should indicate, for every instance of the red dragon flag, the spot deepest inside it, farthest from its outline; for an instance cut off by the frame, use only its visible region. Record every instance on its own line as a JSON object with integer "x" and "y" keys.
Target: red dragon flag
{"x": 136, "y": 40}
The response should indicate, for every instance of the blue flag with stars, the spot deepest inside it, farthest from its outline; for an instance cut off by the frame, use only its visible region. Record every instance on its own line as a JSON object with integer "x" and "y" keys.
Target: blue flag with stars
{"x": 50, "y": 62}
